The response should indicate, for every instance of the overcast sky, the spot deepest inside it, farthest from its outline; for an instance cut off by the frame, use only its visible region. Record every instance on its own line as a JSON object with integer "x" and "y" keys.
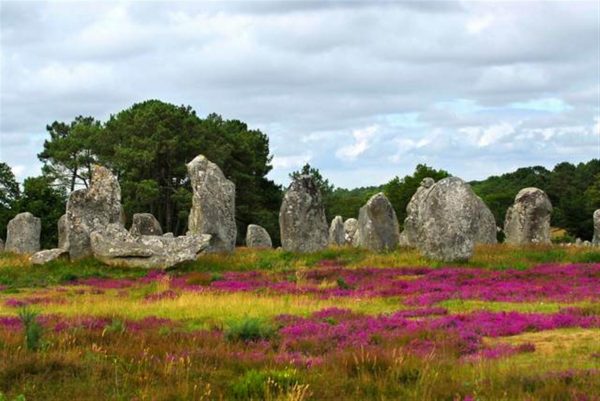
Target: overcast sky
{"x": 362, "y": 90}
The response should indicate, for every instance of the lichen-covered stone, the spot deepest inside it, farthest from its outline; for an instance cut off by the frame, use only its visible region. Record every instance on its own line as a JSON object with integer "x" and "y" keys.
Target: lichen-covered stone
{"x": 115, "y": 246}
{"x": 23, "y": 234}
{"x": 451, "y": 219}
{"x": 90, "y": 209}
{"x": 378, "y": 228}
{"x": 528, "y": 219}
{"x": 213, "y": 204}
{"x": 257, "y": 237}
{"x": 48, "y": 255}
{"x": 350, "y": 227}
{"x": 302, "y": 220}
{"x": 145, "y": 224}
{"x": 63, "y": 241}
{"x": 336, "y": 232}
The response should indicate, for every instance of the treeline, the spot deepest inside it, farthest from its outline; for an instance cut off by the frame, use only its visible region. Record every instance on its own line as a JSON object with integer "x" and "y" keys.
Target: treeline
{"x": 149, "y": 144}
{"x": 573, "y": 189}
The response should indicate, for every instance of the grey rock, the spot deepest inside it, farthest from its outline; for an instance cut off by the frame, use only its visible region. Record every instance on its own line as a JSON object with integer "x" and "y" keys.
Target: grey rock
{"x": 115, "y": 246}
{"x": 47, "y": 255}
{"x": 450, "y": 221}
{"x": 596, "y": 239}
{"x": 90, "y": 209}
{"x": 336, "y": 232}
{"x": 587, "y": 243}
{"x": 410, "y": 234}
{"x": 1, "y": 245}
{"x": 578, "y": 242}
{"x": 257, "y": 237}
{"x": 63, "y": 241}
{"x": 485, "y": 224}
{"x": 350, "y": 227}
{"x": 23, "y": 234}
{"x": 302, "y": 222}
{"x": 168, "y": 235}
{"x": 528, "y": 219}
{"x": 378, "y": 228}
{"x": 213, "y": 204}
{"x": 145, "y": 224}
{"x": 486, "y": 230}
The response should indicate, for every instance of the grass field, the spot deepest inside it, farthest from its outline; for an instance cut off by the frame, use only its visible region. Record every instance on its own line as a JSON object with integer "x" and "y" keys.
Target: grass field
{"x": 342, "y": 324}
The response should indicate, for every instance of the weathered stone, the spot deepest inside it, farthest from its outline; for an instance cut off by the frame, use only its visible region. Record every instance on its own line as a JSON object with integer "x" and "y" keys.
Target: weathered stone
{"x": 587, "y": 243}
{"x": 450, "y": 221}
{"x": 257, "y": 237}
{"x": 1, "y": 245}
{"x": 410, "y": 234}
{"x": 336, "y": 232}
{"x": 90, "y": 209}
{"x": 114, "y": 245}
{"x": 145, "y": 224}
{"x": 528, "y": 219}
{"x": 350, "y": 227}
{"x": 485, "y": 224}
{"x": 302, "y": 220}
{"x": 486, "y": 230}
{"x": 378, "y": 228}
{"x": 213, "y": 204}
{"x": 47, "y": 255}
{"x": 596, "y": 239}
{"x": 63, "y": 241}
{"x": 23, "y": 234}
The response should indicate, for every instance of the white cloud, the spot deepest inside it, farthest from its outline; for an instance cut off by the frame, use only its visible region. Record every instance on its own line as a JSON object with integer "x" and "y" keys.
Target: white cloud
{"x": 362, "y": 142}
{"x": 479, "y": 24}
{"x": 290, "y": 162}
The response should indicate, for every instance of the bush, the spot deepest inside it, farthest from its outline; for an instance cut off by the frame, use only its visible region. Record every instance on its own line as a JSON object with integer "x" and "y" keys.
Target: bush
{"x": 33, "y": 330}
{"x": 259, "y": 385}
{"x": 249, "y": 329}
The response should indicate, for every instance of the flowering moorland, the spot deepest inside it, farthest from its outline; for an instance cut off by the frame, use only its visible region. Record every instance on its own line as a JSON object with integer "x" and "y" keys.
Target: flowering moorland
{"x": 327, "y": 328}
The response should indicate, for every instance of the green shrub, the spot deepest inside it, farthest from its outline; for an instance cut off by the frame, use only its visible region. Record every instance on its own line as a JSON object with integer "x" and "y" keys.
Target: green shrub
{"x": 259, "y": 385}
{"x": 33, "y": 330}
{"x": 588, "y": 257}
{"x": 249, "y": 329}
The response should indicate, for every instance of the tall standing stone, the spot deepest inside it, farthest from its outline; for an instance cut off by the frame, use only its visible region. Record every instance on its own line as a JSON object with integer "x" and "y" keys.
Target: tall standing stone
{"x": 336, "y": 231}
{"x": 410, "y": 235}
{"x": 62, "y": 232}
{"x": 213, "y": 204}
{"x": 350, "y": 227}
{"x": 528, "y": 219}
{"x": 23, "y": 234}
{"x": 90, "y": 209}
{"x": 145, "y": 224}
{"x": 258, "y": 237}
{"x": 378, "y": 228}
{"x": 302, "y": 220}
{"x": 451, "y": 219}
{"x": 596, "y": 240}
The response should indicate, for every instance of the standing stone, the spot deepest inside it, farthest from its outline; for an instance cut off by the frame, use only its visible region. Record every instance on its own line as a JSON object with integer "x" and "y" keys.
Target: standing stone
{"x": 1, "y": 245}
{"x": 336, "y": 231}
{"x": 90, "y": 209}
{"x": 378, "y": 228}
{"x": 528, "y": 219}
{"x": 483, "y": 219}
{"x": 213, "y": 204}
{"x": 145, "y": 224}
{"x": 486, "y": 230}
{"x": 23, "y": 234}
{"x": 302, "y": 220}
{"x": 596, "y": 240}
{"x": 62, "y": 232}
{"x": 257, "y": 237}
{"x": 350, "y": 227}
{"x": 410, "y": 234}
{"x": 450, "y": 221}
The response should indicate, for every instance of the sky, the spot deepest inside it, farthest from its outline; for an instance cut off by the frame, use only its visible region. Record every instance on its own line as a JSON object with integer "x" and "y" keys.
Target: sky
{"x": 364, "y": 91}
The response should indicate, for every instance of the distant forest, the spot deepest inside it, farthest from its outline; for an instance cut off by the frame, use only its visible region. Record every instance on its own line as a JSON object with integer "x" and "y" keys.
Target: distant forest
{"x": 148, "y": 145}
